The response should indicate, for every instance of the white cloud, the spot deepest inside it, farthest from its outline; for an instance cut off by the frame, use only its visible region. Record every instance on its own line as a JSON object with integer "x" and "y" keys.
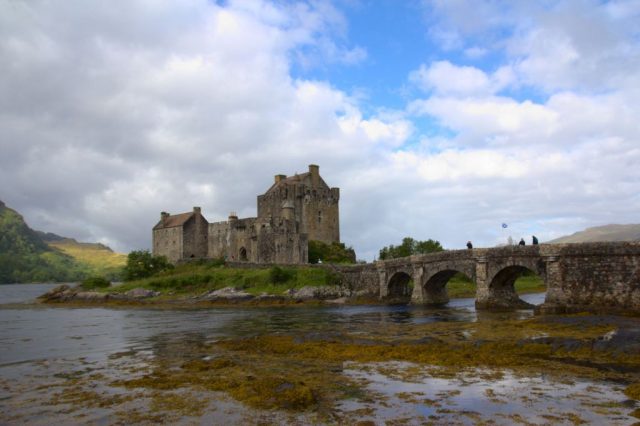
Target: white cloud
{"x": 445, "y": 78}
{"x": 110, "y": 114}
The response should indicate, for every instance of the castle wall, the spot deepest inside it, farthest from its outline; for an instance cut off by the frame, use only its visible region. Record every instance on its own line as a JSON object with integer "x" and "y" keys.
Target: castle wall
{"x": 319, "y": 215}
{"x": 168, "y": 242}
{"x": 279, "y": 241}
{"x": 234, "y": 240}
{"x": 195, "y": 236}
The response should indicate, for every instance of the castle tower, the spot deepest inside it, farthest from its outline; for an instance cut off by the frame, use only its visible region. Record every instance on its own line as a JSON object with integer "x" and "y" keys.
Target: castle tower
{"x": 308, "y": 200}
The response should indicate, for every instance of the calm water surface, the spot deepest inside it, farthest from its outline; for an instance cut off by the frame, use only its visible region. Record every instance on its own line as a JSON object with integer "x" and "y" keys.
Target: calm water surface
{"x": 38, "y": 342}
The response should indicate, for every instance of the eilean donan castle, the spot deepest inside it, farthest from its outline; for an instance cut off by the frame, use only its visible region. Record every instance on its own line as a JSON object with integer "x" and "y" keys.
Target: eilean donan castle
{"x": 293, "y": 211}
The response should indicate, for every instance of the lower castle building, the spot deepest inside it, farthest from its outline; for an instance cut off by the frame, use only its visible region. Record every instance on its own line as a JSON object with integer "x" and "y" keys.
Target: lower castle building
{"x": 293, "y": 211}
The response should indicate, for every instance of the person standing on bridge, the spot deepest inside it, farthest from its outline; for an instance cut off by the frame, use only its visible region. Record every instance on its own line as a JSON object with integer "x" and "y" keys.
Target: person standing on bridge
{"x": 469, "y": 245}
{"x": 521, "y": 243}
{"x": 534, "y": 240}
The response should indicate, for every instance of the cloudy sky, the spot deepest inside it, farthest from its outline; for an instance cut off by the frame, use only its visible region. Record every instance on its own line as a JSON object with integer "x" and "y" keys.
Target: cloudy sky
{"x": 437, "y": 119}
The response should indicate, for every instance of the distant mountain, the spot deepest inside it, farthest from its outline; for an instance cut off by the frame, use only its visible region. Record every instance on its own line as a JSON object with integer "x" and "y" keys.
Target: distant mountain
{"x": 601, "y": 234}
{"x": 49, "y": 237}
{"x": 33, "y": 256}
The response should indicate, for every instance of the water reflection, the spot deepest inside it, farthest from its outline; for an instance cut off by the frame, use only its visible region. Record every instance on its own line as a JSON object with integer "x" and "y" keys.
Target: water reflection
{"x": 36, "y": 332}
{"x": 40, "y": 344}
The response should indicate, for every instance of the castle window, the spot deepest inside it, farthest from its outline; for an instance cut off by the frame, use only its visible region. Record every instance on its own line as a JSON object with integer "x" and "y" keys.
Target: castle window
{"x": 319, "y": 216}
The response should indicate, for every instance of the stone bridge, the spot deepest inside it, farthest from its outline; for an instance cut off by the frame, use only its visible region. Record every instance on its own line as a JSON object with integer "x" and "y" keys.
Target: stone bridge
{"x": 588, "y": 276}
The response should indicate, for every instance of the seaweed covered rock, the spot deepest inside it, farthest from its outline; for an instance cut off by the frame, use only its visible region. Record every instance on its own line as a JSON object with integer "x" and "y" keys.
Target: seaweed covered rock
{"x": 59, "y": 294}
{"x": 141, "y": 293}
{"x": 320, "y": 293}
{"x": 227, "y": 294}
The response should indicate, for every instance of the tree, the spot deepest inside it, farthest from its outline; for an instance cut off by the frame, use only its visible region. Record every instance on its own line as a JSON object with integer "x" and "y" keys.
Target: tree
{"x": 142, "y": 264}
{"x": 330, "y": 253}
{"x": 410, "y": 246}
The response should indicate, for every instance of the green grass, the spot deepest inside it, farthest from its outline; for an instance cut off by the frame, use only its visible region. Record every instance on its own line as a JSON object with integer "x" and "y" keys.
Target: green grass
{"x": 460, "y": 286}
{"x": 200, "y": 277}
{"x": 98, "y": 259}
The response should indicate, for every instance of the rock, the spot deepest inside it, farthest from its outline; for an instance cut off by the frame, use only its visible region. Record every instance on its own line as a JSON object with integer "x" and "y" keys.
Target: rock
{"x": 227, "y": 294}
{"x": 321, "y": 293}
{"x": 61, "y": 293}
{"x": 141, "y": 293}
{"x": 90, "y": 296}
{"x": 264, "y": 297}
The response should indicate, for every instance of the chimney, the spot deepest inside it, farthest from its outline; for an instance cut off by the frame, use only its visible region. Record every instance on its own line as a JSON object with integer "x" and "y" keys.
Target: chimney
{"x": 279, "y": 178}
{"x": 163, "y": 216}
{"x": 233, "y": 216}
{"x": 314, "y": 171}
{"x": 197, "y": 210}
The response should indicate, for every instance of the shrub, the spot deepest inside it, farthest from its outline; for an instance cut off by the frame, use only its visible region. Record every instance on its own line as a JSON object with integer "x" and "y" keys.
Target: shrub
{"x": 278, "y": 275}
{"x": 92, "y": 283}
{"x": 330, "y": 253}
{"x": 142, "y": 264}
{"x": 333, "y": 278}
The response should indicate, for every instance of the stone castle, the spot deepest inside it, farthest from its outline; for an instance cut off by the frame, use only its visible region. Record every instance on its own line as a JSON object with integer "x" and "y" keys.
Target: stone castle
{"x": 293, "y": 211}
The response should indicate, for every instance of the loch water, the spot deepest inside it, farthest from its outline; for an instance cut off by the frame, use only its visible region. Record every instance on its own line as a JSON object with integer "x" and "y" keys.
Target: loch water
{"x": 41, "y": 345}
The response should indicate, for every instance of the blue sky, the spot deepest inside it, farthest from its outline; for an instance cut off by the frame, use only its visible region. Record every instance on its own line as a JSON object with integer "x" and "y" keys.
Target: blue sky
{"x": 437, "y": 118}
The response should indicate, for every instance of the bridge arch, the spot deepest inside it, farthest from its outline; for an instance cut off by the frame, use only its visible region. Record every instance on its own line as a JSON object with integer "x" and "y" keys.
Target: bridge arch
{"x": 435, "y": 287}
{"x": 501, "y": 288}
{"x": 399, "y": 287}
{"x": 435, "y": 279}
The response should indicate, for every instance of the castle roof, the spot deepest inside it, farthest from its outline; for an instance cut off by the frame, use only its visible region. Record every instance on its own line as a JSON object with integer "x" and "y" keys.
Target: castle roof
{"x": 303, "y": 178}
{"x": 174, "y": 220}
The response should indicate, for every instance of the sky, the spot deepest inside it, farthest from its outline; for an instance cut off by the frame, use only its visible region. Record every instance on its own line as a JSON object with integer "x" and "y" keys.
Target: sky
{"x": 438, "y": 119}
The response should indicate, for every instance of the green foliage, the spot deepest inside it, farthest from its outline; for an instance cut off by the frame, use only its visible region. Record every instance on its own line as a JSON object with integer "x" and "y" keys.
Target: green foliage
{"x": 202, "y": 276}
{"x": 330, "y": 253}
{"x": 461, "y": 286}
{"x": 93, "y": 283}
{"x": 142, "y": 264}
{"x": 98, "y": 259}
{"x": 278, "y": 275}
{"x": 409, "y": 247}
{"x": 26, "y": 257}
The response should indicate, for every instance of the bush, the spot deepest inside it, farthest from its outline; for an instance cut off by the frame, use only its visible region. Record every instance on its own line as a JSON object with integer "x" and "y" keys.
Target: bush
{"x": 278, "y": 275}
{"x": 409, "y": 247}
{"x": 92, "y": 283}
{"x": 330, "y": 253}
{"x": 142, "y": 264}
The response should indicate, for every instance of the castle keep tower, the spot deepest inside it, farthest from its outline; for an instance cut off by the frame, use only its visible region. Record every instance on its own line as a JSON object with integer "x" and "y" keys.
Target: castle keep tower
{"x": 293, "y": 211}
{"x": 309, "y": 199}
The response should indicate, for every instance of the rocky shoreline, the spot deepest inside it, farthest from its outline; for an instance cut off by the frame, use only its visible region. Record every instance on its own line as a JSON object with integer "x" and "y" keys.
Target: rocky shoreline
{"x": 227, "y": 295}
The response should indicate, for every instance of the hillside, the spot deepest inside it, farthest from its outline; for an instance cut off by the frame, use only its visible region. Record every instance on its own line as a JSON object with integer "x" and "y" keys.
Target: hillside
{"x": 602, "y": 233}
{"x": 99, "y": 258}
{"x": 32, "y": 256}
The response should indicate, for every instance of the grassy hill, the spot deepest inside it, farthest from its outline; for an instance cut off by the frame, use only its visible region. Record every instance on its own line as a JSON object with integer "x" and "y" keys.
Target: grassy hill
{"x": 601, "y": 234}
{"x": 31, "y": 256}
{"x": 99, "y": 259}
